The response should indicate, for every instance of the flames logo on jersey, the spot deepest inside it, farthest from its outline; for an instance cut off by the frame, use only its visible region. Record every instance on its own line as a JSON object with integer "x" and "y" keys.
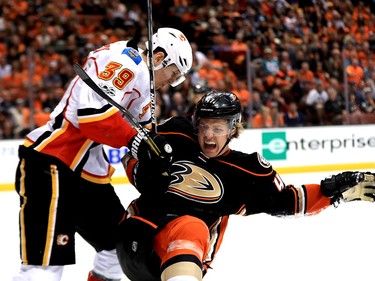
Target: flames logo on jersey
{"x": 195, "y": 183}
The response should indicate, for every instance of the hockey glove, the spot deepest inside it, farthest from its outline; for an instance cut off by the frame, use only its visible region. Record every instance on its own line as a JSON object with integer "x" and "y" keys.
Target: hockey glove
{"x": 154, "y": 150}
{"x": 349, "y": 186}
{"x": 364, "y": 190}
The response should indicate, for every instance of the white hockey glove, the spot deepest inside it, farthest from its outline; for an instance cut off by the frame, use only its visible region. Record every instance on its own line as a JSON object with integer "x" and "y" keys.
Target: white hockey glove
{"x": 349, "y": 186}
{"x": 364, "y": 190}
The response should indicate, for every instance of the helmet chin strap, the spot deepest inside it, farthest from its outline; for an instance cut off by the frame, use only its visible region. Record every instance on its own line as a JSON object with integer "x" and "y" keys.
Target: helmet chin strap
{"x": 230, "y": 135}
{"x": 158, "y": 67}
{"x": 221, "y": 150}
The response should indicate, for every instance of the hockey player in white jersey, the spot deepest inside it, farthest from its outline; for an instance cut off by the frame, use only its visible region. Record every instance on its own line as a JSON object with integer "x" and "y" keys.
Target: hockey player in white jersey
{"x": 64, "y": 177}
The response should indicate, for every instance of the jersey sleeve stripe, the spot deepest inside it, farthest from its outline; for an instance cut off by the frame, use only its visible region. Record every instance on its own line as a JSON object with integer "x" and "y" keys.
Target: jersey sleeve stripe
{"x": 94, "y": 115}
{"x": 245, "y": 170}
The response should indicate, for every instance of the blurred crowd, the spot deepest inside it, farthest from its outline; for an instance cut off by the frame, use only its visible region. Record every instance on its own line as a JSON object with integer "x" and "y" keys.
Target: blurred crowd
{"x": 291, "y": 63}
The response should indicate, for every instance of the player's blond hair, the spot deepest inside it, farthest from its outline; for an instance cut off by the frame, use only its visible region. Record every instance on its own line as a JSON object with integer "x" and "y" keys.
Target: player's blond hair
{"x": 239, "y": 130}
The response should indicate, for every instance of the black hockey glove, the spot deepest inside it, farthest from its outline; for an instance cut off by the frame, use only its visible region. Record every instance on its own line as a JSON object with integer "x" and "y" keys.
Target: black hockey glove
{"x": 154, "y": 151}
{"x": 349, "y": 186}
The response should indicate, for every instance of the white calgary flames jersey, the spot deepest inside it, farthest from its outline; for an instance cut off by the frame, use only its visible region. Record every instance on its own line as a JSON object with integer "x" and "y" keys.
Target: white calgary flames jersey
{"x": 83, "y": 122}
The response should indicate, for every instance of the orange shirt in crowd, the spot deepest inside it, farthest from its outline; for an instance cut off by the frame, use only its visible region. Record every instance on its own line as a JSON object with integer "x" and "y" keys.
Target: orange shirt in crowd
{"x": 3, "y": 49}
{"x": 215, "y": 63}
{"x": 306, "y": 76}
{"x": 243, "y": 95}
{"x": 229, "y": 76}
{"x": 40, "y": 117}
{"x": 11, "y": 81}
{"x": 360, "y": 10}
{"x": 211, "y": 75}
{"x": 354, "y": 73}
{"x": 260, "y": 122}
{"x": 283, "y": 79}
{"x": 237, "y": 46}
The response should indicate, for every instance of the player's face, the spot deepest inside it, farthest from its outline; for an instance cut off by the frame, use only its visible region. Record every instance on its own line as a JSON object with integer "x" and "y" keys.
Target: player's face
{"x": 212, "y": 136}
{"x": 166, "y": 75}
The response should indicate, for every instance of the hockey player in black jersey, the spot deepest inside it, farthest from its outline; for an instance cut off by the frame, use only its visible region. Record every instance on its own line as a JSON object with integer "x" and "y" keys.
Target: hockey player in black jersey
{"x": 175, "y": 228}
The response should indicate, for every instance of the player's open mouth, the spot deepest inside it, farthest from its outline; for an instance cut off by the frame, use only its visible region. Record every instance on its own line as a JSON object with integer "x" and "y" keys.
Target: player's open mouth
{"x": 210, "y": 144}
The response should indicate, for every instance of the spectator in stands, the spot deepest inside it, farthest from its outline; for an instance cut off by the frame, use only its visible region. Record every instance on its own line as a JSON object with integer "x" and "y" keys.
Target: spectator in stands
{"x": 198, "y": 91}
{"x": 270, "y": 63}
{"x": 20, "y": 125}
{"x": 355, "y": 113}
{"x": 214, "y": 62}
{"x": 333, "y": 108}
{"x": 258, "y": 86}
{"x": 277, "y": 97}
{"x": 315, "y": 100}
{"x": 254, "y": 107}
{"x": 354, "y": 72}
{"x": 370, "y": 84}
{"x": 263, "y": 119}
{"x": 335, "y": 65}
{"x": 293, "y": 117}
{"x": 321, "y": 74}
{"x": 285, "y": 80}
{"x": 5, "y": 100}
{"x": 164, "y": 100}
{"x": 210, "y": 74}
{"x": 63, "y": 33}
{"x": 242, "y": 92}
{"x": 5, "y": 67}
{"x": 229, "y": 77}
{"x": 6, "y": 125}
{"x": 199, "y": 57}
{"x": 53, "y": 79}
{"x": 277, "y": 116}
{"x": 179, "y": 104}
{"x": 368, "y": 104}
{"x": 305, "y": 76}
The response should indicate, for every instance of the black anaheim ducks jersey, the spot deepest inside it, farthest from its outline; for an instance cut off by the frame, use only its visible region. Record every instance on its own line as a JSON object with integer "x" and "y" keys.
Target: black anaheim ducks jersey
{"x": 214, "y": 188}
{"x": 234, "y": 183}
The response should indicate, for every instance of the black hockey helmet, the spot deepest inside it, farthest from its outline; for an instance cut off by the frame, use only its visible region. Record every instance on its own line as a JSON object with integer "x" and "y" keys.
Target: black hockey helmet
{"x": 220, "y": 105}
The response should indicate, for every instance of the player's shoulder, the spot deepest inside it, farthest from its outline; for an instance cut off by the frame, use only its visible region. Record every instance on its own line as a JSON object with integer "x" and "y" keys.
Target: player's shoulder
{"x": 253, "y": 163}
{"x": 119, "y": 44}
{"x": 132, "y": 54}
{"x": 120, "y": 50}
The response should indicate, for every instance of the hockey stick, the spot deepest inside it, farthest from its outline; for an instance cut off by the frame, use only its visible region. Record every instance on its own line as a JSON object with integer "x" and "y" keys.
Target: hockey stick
{"x": 151, "y": 66}
{"x": 138, "y": 127}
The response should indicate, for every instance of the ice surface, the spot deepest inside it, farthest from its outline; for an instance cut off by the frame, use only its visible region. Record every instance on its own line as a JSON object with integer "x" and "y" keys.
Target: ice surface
{"x": 333, "y": 245}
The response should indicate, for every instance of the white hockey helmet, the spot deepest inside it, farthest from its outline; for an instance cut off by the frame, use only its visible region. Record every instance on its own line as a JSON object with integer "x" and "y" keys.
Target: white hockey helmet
{"x": 177, "y": 48}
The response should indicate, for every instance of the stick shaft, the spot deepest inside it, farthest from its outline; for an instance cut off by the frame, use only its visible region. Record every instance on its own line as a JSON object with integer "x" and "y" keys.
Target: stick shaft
{"x": 151, "y": 65}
